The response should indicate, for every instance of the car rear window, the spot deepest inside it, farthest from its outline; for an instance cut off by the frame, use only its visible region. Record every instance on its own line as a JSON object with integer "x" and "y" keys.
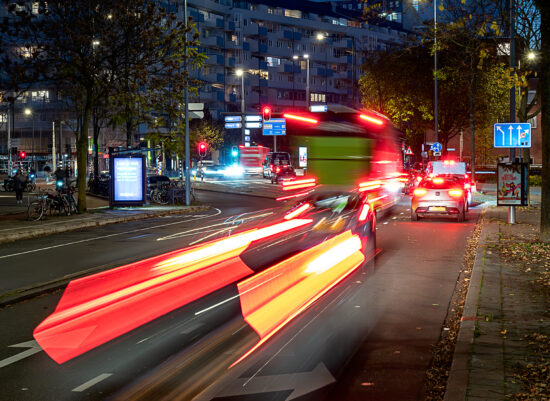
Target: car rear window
{"x": 281, "y": 159}
{"x": 447, "y": 183}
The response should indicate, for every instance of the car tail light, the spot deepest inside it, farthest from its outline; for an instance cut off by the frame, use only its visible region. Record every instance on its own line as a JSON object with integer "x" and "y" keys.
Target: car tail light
{"x": 418, "y": 178}
{"x": 364, "y": 212}
{"x": 438, "y": 180}
{"x": 456, "y": 193}
{"x": 278, "y": 170}
{"x": 467, "y": 185}
{"x": 420, "y": 192}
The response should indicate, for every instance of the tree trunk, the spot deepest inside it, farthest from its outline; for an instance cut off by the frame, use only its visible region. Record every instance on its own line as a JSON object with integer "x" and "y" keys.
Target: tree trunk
{"x": 96, "y": 129}
{"x": 82, "y": 157}
{"x": 544, "y": 7}
{"x": 473, "y": 133}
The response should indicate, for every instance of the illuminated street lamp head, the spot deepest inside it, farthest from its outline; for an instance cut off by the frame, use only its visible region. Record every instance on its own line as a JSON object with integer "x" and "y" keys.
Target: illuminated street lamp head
{"x": 531, "y": 55}
{"x": 295, "y": 57}
{"x": 239, "y": 72}
{"x": 306, "y": 55}
{"x": 95, "y": 42}
{"x": 319, "y": 36}
{"x": 28, "y": 112}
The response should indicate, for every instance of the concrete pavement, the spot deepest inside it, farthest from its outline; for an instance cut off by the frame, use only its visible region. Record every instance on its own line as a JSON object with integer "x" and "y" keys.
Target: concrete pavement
{"x": 502, "y": 351}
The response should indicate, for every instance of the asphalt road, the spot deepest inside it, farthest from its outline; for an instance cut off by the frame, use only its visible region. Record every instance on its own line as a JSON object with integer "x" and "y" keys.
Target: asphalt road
{"x": 369, "y": 338}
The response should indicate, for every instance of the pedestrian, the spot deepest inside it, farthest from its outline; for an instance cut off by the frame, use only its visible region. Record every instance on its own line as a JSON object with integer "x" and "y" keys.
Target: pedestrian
{"x": 47, "y": 172}
{"x": 19, "y": 183}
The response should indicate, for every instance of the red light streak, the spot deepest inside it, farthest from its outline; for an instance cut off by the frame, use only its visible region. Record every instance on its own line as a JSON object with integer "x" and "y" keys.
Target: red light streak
{"x": 364, "y": 212}
{"x": 103, "y": 306}
{"x": 371, "y": 119}
{"x": 295, "y": 284}
{"x": 298, "y": 184}
{"x": 296, "y": 212}
{"x": 369, "y": 185}
{"x": 301, "y": 118}
{"x": 293, "y": 196}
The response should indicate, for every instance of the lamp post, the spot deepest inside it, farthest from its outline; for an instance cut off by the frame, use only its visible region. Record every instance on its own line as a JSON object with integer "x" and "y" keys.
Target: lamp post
{"x": 436, "y": 100}
{"x": 308, "y": 97}
{"x": 28, "y": 112}
{"x": 187, "y": 148}
{"x": 240, "y": 73}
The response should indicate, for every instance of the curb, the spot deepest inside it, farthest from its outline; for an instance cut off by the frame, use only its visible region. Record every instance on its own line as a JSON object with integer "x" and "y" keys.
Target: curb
{"x": 236, "y": 193}
{"x": 42, "y": 232}
{"x": 457, "y": 383}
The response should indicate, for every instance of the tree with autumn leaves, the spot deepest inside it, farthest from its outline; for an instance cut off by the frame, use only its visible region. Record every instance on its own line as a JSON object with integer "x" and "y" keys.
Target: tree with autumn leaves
{"x": 105, "y": 54}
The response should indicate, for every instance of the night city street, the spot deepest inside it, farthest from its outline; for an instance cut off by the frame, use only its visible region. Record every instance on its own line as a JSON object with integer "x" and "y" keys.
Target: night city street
{"x": 275, "y": 200}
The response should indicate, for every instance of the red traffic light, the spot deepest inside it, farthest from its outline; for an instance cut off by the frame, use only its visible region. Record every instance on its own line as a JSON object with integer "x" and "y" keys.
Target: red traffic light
{"x": 266, "y": 113}
{"x": 203, "y": 148}
{"x": 22, "y": 155}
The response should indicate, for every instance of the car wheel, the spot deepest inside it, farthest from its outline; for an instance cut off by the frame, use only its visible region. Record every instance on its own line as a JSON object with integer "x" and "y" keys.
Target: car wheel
{"x": 414, "y": 215}
{"x": 462, "y": 215}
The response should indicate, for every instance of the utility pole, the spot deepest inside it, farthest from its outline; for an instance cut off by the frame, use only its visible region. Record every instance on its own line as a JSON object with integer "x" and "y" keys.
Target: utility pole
{"x": 512, "y": 209}
{"x": 187, "y": 150}
{"x": 9, "y": 122}
{"x": 54, "y": 156}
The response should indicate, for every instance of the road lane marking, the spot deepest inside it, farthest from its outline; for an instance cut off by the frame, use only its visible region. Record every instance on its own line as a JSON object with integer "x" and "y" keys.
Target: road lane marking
{"x": 105, "y": 236}
{"x": 93, "y": 382}
{"x": 33, "y": 349}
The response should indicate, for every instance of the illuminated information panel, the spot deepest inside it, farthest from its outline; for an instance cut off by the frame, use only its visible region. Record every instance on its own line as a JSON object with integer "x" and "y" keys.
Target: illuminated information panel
{"x": 128, "y": 180}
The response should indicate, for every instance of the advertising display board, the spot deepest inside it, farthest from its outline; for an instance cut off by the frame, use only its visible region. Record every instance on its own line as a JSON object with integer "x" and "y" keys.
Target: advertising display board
{"x": 128, "y": 186}
{"x": 302, "y": 153}
{"x": 511, "y": 184}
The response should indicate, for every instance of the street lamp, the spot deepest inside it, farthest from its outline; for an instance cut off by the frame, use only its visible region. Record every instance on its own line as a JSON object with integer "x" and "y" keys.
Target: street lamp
{"x": 240, "y": 73}
{"x": 28, "y": 112}
{"x": 308, "y": 97}
{"x": 436, "y": 100}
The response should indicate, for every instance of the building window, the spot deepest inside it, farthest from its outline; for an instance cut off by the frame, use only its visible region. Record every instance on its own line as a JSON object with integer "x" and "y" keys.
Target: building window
{"x": 293, "y": 13}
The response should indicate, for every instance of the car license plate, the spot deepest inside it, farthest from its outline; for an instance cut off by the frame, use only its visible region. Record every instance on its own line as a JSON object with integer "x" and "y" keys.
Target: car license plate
{"x": 437, "y": 194}
{"x": 438, "y": 209}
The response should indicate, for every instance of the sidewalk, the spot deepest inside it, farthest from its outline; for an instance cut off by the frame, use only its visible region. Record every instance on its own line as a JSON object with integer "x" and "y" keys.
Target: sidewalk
{"x": 503, "y": 347}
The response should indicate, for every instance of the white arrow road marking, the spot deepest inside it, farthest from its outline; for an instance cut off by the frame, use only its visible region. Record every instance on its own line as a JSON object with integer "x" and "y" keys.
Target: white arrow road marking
{"x": 92, "y": 382}
{"x": 33, "y": 348}
{"x": 301, "y": 383}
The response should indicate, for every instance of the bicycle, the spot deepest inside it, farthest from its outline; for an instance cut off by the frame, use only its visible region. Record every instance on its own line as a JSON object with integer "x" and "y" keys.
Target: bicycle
{"x": 39, "y": 206}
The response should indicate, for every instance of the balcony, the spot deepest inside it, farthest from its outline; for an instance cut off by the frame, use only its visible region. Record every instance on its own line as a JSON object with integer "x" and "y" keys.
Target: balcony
{"x": 254, "y": 30}
{"x": 212, "y": 41}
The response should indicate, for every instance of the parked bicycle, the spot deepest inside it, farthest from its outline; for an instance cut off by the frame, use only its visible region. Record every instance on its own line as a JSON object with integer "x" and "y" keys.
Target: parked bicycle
{"x": 48, "y": 203}
{"x": 173, "y": 192}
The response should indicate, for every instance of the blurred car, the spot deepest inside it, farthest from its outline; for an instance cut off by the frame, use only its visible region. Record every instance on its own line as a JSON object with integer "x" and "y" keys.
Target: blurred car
{"x": 277, "y": 163}
{"x": 439, "y": 196}
{"x": 268, "y": 265}
{"x": 219, "y": 171}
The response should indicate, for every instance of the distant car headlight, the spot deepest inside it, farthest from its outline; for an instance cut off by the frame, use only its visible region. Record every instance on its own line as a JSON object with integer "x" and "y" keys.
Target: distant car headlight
{"x": 234, "y": 171}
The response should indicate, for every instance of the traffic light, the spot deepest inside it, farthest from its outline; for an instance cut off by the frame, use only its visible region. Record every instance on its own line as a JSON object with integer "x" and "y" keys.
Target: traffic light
{"x": 22, "y": 155}
{"x": 203, "y": 148}
{"x": 234, "y": 151}
{"x": 266, "y": 113}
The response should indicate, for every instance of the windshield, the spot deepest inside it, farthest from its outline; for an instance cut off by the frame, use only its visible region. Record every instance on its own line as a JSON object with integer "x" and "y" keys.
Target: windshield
{"x": 458, "y": 168}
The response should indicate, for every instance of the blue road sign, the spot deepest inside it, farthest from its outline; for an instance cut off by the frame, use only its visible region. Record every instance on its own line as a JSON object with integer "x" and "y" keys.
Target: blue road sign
{"x": 275, "y": 126}
{"x": 512, "y": 135}
{"x": 229, "y": 119}
{"x": 437, "y": 147}
{"x": 233, "y": 125}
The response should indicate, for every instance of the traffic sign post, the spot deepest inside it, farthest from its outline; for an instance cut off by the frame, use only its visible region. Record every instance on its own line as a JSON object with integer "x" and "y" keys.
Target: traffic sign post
{"x": 437, "y": 147}
{"x": 512, "y": 135}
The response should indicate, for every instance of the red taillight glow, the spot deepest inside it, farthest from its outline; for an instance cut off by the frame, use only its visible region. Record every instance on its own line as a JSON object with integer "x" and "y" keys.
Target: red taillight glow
{"x": 298, "y": 211}
{"x": 272, "y": 298}
{"x": 371, "y": 119}
{"x": 369, "y": 185}
{"x": 298, "y": 184}
{"x": 418, "y": 178}
{"x": 103, "y": 306}
{"x": 278, "y": 170}
{"x": 292, "y": 196}
{"x": 420, "y": 192}
{"x": 364, "y": 212}
{"x": 301, "y": 118}
{"x": 438, "y": 180}
{"x": 456, "y": 193}
{"x": 467, "y": 185}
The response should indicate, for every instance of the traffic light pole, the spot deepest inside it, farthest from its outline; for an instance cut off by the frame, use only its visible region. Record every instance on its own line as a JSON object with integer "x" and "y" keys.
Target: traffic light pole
{"x": 9, "y": 119}
{"x": 187, "y": 150}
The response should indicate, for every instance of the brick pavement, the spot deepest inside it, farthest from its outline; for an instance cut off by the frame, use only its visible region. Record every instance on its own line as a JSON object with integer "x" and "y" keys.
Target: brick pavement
{"x": 502, "y": 309}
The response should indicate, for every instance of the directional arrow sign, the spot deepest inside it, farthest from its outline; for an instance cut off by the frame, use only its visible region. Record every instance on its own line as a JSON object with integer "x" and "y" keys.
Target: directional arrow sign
{"x": 301, "y": 383}
{"x": 512, "y": 135}
{"x": 33, "y": 348}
